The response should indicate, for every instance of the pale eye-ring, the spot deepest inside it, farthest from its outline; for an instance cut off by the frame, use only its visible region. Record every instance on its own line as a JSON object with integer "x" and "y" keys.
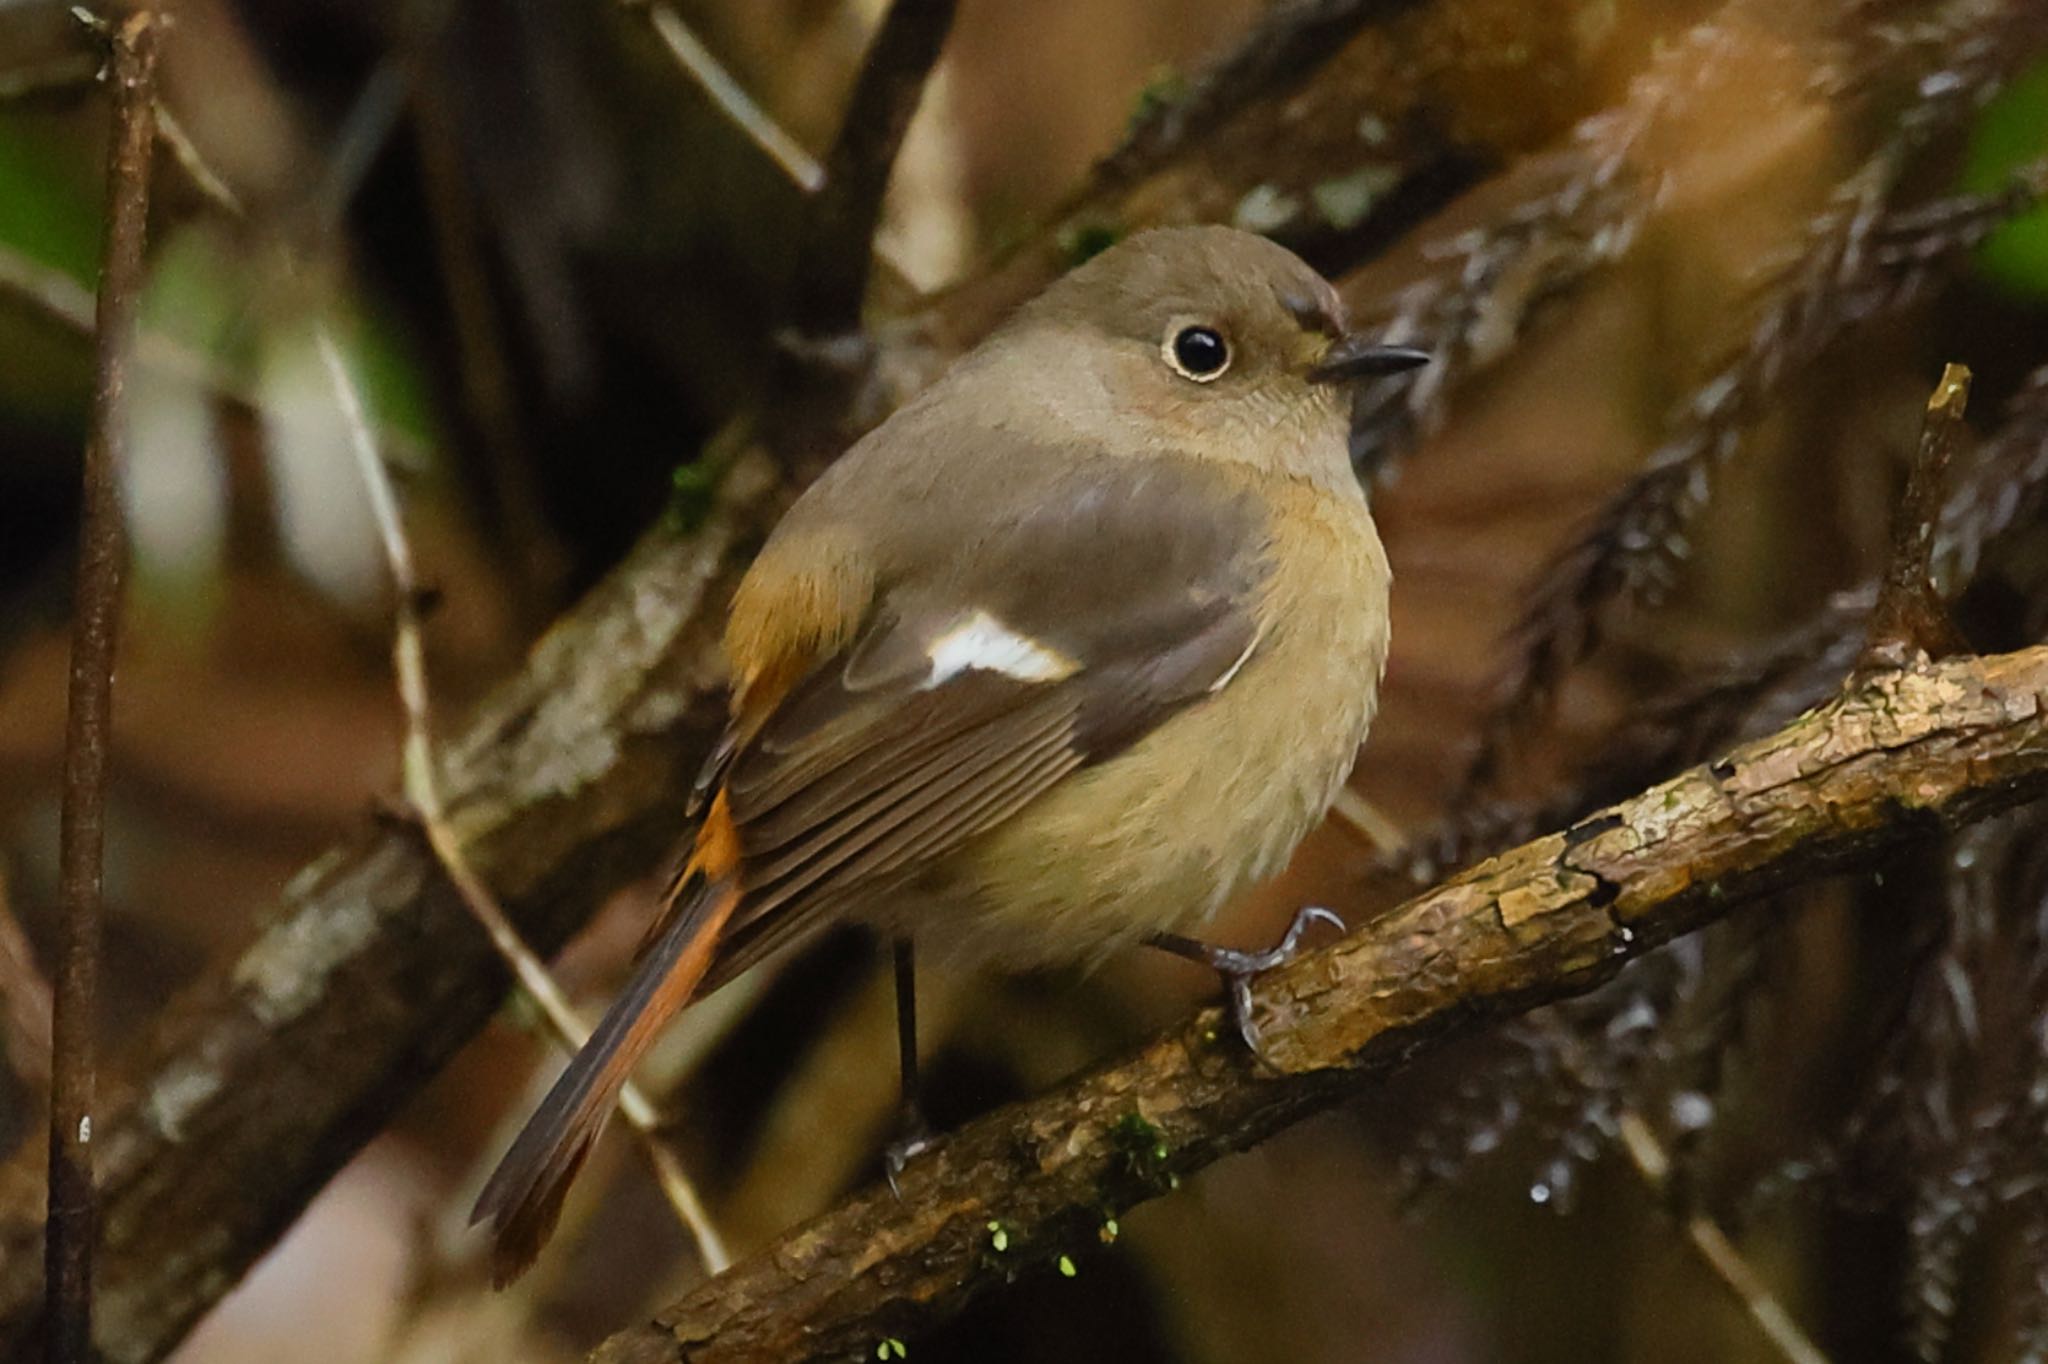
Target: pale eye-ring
{"x": 1196, "y": 351}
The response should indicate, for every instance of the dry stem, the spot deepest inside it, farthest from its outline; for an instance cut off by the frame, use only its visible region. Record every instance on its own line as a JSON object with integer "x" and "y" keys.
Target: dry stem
{"x": 1909, "y": 616}
{"x": 422, "y": 785}
{"x": 72, "y": 1227}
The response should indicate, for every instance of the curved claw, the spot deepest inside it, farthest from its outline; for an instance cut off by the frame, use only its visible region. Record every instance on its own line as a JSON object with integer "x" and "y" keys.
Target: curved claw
{"x": 1239, "y": 969}
{"x": 913, "y": 1142}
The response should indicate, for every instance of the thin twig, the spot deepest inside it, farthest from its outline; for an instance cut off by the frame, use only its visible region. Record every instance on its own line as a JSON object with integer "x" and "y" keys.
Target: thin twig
{"x": 68, "y": 303}
{"x": 72, "y": 1226}
{"x": 24, "y": 999}
{"x": 1370, "y": 822}
{"x": 730, "y": 98}
{"x": 1646, "y": 1153}
{"x": 1707, "y": 1237}
{"x": 756, "y": 124}
{"x": 190, "y": 160}
{"x": 49, "y": 290}
{"x": 2002, "y": 487}
{"x": 1909, "y": 616}
{"x": 419, "y": 766}
{"x": 423, "y": 794}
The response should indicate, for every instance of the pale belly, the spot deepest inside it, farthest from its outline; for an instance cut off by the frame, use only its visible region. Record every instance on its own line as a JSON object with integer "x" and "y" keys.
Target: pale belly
{"x": 1160, "y": 837}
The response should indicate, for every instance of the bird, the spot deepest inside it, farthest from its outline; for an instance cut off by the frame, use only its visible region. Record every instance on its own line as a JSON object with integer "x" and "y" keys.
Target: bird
{"x": 1078, "y": 643}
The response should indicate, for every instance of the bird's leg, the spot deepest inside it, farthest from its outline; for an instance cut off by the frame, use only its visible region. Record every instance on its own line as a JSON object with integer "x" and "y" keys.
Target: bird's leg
{"x": 912, "y": 1133}
{"x": 1240, "y": 969}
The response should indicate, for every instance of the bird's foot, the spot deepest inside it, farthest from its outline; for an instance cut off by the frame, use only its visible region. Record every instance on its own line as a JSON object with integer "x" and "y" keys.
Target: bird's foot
{"x": 1239, "y": 969}
{"x": 913, "y": 1139}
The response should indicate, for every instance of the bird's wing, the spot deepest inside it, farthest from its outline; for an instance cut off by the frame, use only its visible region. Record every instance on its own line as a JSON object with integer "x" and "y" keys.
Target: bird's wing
{"x": 1117, "y": 598}
{"x": 921, "y": 704}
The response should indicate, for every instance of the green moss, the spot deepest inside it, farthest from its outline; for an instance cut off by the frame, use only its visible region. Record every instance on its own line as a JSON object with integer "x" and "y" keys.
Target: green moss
{"x": 1143, "y": 1149}
{"x": 693, "y": 492}
{"x": 1165, "y": 88}
{"x": 1084, "y": 241}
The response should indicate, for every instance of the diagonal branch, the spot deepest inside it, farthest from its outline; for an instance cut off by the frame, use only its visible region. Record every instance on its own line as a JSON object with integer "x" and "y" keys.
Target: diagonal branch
{"x": 1901, "y": 757}
{"x": 24, "y": 1000}
{"x": 421, "y": 768}
{"x": 1286, "y": 45}
{"x": 837, "y": 247}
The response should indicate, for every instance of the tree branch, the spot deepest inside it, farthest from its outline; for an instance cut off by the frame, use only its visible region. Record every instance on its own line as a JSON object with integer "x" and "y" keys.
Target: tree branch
{"x": 831, "y": 275}
{"x": 420, "y": 778}
{"x": 1286, "y": 45}
{"x": 1910, "y": 616}
{"x": 72, "y": 1225}
{"x": 1904, "y": 755}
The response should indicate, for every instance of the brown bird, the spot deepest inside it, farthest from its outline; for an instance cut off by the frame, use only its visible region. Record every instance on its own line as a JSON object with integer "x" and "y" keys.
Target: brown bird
{"x": 1056, "y": 660}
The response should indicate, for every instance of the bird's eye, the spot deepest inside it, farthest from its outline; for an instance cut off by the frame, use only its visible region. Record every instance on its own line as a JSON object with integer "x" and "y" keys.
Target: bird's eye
{"x": 1197, "y": 352}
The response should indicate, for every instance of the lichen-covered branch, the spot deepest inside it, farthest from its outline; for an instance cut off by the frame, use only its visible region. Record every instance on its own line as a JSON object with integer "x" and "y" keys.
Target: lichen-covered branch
{"x": 1904, "y": 755}
{"x": 370, "y": 974}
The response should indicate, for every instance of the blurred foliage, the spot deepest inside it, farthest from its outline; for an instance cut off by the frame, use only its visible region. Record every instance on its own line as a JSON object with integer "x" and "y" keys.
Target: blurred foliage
{"x": 2010, "y": 133}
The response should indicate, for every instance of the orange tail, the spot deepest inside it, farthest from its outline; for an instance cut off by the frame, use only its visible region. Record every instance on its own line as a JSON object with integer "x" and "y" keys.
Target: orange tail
{"x": 523, "y": 1198}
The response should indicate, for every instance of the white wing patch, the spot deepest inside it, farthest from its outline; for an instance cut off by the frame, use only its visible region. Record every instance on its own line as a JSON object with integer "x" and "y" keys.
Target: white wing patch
{"x": 1220, "y": 683}
{"x": 984, "y": 644}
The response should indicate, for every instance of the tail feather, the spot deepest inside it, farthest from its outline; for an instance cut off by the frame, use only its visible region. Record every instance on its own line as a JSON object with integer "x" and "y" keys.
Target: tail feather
{"x": 523, "y": 1197}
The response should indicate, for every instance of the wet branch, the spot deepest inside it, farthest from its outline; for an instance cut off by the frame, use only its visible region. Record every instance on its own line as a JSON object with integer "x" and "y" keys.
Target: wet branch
{"x": 1904, "y": 755}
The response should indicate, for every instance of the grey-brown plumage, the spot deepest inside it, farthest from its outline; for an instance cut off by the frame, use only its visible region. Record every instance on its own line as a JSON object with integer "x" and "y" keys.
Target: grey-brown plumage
{"x": 1058, "y": 658}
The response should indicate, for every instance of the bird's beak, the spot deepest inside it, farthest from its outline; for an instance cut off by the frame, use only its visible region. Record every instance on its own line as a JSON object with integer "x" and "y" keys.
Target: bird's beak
{"x": 1362, "y": 357}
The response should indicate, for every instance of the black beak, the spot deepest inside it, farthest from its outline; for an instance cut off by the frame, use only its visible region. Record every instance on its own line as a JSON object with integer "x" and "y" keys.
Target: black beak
{"x": 1362, "y": 357}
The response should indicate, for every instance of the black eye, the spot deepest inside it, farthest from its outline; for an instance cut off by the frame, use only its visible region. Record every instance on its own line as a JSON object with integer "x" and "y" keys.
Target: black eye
{"x": 1198, "y": 352}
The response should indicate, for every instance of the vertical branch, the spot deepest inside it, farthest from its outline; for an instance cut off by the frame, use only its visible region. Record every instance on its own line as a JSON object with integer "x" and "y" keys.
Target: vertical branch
{"x": 1909, "y": 615}
{"x": 71, "y": 1227}
{"x": 837, "y": 248}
